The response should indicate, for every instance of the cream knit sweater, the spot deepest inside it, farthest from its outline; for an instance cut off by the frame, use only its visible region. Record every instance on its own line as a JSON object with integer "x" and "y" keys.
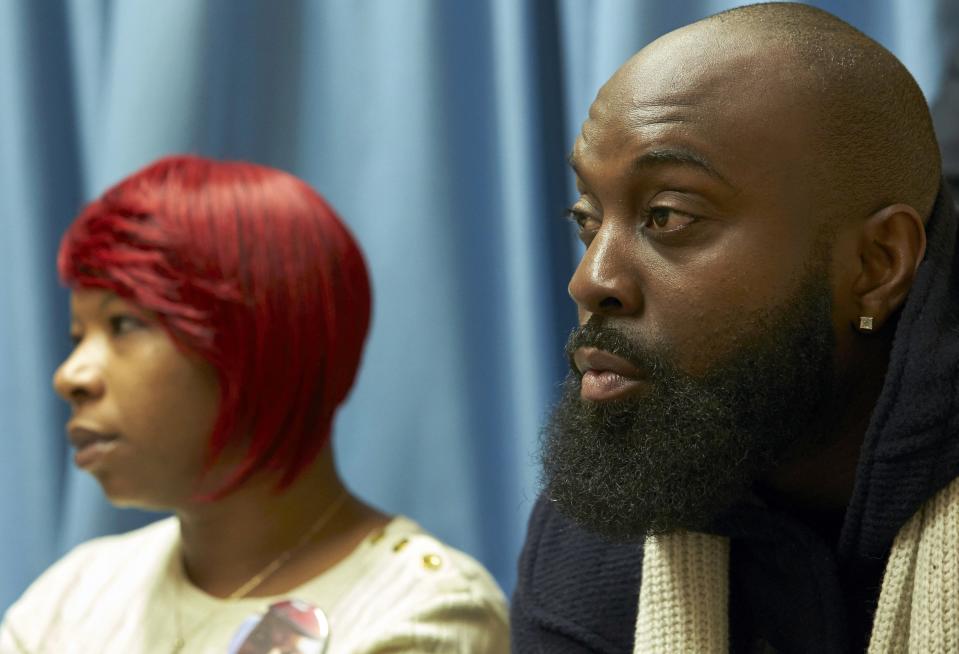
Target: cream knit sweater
{"x": 684, "y": 595}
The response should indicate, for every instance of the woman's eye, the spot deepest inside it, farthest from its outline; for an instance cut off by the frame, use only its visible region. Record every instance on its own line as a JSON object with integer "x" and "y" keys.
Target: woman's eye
{"x": 665, "y": 219}
{"x": 122, "y": 323}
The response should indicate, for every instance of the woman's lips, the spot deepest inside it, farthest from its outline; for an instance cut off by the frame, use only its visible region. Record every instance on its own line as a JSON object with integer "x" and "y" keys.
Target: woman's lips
{"x": 605, "y": 376}
{"x": 91, "y": 444}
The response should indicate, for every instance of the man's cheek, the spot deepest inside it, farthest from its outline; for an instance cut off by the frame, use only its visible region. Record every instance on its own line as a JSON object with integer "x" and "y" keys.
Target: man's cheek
{"x": 699, "y": 344}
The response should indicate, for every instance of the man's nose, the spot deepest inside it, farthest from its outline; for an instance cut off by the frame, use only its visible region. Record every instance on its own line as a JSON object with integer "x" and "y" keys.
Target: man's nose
{"x": 79, "y": 379}
{"x": 606, "y": 280}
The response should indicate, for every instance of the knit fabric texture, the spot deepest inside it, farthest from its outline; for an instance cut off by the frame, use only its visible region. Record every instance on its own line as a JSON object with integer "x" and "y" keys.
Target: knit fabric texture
{"x": 919, "y": 602}
{"x": 683, "y": 597}
{"x": 576, "y": 592}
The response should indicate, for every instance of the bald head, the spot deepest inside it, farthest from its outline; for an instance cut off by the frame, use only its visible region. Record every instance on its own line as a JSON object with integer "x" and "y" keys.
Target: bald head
{"x": 876, "y": 133}
{"x": 865, "y": 125}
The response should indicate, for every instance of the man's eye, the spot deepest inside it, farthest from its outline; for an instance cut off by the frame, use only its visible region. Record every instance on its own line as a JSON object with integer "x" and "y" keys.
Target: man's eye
{"x": 576, "y": 217}
{"x": 123, "y": 323}
{"x": 666, "y": 219}
{"x": 586, "y": 223}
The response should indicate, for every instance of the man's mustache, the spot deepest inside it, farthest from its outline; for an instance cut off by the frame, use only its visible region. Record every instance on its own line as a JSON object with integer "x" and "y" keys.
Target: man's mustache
{"x": 595, "y": 334}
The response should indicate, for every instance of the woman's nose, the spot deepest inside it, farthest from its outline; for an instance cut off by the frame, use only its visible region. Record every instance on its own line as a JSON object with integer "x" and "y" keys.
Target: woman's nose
{"x": 79, "y": 379}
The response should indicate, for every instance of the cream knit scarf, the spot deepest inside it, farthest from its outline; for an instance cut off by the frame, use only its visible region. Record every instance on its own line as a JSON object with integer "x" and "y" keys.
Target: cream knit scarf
{"x": 683, "y": 598}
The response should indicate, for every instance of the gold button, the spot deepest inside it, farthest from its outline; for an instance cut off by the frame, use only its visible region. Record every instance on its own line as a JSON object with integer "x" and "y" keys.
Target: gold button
{"x": 377, "y": 536}
{"x": 432, "y": 562}
{"x": 403, "y": 542}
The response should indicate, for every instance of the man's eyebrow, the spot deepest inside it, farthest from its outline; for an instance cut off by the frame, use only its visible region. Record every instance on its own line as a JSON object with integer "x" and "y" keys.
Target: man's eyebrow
{"x": 667, "y": 156}
{"x": 678, "y": 157}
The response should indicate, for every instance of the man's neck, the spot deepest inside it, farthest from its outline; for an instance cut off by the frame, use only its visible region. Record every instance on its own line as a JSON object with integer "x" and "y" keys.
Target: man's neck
{"x": 822, "y": 480}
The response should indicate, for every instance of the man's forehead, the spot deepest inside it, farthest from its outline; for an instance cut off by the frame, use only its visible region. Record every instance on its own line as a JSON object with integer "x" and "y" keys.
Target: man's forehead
{"x": 696, "y": 65}
{"x": 704, "y": 87}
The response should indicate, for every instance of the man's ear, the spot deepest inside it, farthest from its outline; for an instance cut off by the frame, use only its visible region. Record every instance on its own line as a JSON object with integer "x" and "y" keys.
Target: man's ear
{"x": 891, "y": 247}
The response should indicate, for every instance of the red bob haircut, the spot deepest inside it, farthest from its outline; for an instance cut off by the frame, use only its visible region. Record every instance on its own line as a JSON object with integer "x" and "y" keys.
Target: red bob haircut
{"x": 250, "y": 269}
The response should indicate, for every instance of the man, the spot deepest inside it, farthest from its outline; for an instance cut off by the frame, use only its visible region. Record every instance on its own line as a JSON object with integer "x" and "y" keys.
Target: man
{"x": 760, "y": 421}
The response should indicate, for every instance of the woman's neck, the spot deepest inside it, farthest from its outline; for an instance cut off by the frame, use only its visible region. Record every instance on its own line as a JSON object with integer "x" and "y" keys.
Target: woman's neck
{"x": 227, "y": 542}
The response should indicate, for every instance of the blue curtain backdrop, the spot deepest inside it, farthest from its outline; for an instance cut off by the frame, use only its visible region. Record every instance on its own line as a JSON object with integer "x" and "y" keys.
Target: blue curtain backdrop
{"x": 437, "y": 128}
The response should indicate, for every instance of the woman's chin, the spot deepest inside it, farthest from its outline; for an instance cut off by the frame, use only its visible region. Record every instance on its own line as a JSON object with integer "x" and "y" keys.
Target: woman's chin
{"x": 123, "y": 496}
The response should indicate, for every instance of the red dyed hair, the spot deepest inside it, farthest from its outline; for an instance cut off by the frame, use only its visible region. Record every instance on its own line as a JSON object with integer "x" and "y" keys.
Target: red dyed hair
{"x": 250, "y": 269}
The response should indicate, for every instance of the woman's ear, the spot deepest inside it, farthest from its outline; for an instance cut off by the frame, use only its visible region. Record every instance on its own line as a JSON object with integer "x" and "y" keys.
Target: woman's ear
{"x": 891, "y": 247}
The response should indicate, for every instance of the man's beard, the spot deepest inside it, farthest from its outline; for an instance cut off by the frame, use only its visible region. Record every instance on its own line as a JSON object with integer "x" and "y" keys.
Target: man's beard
{"x": 687, "y": 447}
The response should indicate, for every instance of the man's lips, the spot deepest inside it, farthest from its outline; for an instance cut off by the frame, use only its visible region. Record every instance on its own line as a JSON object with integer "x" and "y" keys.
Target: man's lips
{"x": 605, "y": 376}
{"x": 90, "y": 443}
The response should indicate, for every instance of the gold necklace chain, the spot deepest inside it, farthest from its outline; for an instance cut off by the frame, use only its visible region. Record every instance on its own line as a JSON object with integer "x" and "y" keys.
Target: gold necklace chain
{"x": 254, "y": 582}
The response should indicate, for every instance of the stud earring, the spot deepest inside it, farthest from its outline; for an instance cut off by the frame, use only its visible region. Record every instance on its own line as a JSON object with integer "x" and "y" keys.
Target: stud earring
{"x": 865, "y": 323}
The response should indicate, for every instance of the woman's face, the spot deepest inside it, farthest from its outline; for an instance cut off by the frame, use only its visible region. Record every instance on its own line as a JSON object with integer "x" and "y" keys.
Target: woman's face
{"x": 143, "y": 410}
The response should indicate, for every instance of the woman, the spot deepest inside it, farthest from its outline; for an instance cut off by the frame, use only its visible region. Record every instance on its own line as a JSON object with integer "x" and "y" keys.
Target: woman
{"x": 219, "y": 312}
